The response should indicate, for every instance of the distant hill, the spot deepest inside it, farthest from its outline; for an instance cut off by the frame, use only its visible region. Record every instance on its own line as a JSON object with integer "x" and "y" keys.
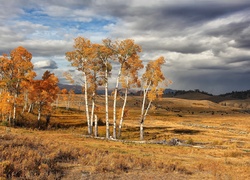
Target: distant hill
{"x": 237, "y": 94}
{"x": 182, "y": 94}
{"x": 77, "y": 88}
{"x": 191, "y": 94}
{"x": 201, "y": 95}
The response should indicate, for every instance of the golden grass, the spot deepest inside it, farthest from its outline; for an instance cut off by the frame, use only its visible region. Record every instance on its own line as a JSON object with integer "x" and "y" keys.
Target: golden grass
{"x": 218, "y": 137}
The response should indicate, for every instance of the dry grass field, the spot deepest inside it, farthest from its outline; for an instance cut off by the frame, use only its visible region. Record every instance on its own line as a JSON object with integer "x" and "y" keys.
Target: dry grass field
{"x": 214, "y": 144}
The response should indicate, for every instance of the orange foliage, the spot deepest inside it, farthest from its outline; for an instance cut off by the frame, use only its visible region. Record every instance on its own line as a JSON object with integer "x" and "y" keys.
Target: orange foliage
{"x": 44, "y": 91}
{"x": 15, "y": 73}
{"x": 6, "y": 101}
{"x": 15, "y": 69}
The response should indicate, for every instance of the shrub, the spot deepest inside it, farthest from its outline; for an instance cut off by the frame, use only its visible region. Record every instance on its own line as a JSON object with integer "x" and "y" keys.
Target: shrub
{"x": 190, "y": 141}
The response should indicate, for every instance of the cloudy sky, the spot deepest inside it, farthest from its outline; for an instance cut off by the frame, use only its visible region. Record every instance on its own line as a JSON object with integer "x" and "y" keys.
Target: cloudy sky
{"x": 206, "y": 42}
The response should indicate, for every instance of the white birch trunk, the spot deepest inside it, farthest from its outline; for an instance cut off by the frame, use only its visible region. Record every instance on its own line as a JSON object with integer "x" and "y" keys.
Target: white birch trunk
{"x": 142, "y": 121}
{"x": 86, "y": 102}
{"x": 142, "y": 114}
{"x": 123, "y": 109}
{"x": 92, "y": 112}
{"x": 115, "y": 100}
{"x": 31, "y": 108}
{"x": 96, "y": 126}
{"x": 145, "y": 92}
{"x": 14, "y": 111}
{"x": 14, "y": 114}
{"x": 106, "y": 102}
{"x": 25, "y": 101}
{"x": 39, "y": 115}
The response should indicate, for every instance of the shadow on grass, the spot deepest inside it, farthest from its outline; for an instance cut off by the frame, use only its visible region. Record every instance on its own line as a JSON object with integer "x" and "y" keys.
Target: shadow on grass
{"x": 132, "y": 129}
{"x": 185, "y": 131}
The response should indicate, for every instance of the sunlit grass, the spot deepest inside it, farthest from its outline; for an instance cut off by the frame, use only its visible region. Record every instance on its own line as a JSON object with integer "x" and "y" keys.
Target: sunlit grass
{"x": 218, "y": 148}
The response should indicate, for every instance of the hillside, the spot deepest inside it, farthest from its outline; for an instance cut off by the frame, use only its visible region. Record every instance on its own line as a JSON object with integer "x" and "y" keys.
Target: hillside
{"x": 200, "y": 95}
{"x": 242, "y": 104}
{"x": 212, "y": 142}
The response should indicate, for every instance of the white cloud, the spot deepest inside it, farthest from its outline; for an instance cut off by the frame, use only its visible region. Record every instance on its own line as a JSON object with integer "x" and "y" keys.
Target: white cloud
{"x": 45, "y": 64}
{"x": 199, "y": 39}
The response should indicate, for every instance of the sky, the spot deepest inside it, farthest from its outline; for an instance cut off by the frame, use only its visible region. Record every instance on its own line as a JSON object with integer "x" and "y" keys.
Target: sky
{"x": 206, "y": 43}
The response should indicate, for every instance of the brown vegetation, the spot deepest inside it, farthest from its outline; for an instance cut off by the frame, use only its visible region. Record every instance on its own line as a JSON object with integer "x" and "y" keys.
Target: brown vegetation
{"x": 214, "y": 145}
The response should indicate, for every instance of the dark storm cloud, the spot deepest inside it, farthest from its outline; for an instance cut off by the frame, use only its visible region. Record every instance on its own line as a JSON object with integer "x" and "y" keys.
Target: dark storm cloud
{"x": 206, "y": 43}
{"x": 230, "y": 30}
{"x": 216, "y": 83}
{"x": 243, "y": 41}
{"x": 210, "y": 67}
{"x": 192, "y": 13}
{"x": 174, "y": 15}
{"x": 238, "y": 59}
{"x": 175, "y": 46}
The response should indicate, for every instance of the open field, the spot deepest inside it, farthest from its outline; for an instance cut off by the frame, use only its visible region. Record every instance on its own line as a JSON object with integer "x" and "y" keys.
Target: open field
{"x": 214, "y": 144}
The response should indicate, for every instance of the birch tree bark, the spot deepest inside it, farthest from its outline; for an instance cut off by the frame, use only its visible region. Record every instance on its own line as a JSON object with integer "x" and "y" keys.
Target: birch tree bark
{"x": 143, "y": 114}
{"x": 39, "y": 115}
{"x": 122, "y": 112}
{"x": 152, "y": 80}
{"x": 92, "y": 111}
{"x": 81, "y": 58}
{"x": 124, "y": 51}
{"x": 96, "y": 126}
{"x": 115, "y": 100}
{"x": 86, "y": 102}
{"x": 106, "y": 101}
{"x": 104, "y": 53}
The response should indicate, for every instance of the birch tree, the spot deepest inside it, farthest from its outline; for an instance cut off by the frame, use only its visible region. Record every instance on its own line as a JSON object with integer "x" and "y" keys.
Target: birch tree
{"x": 123, "y": 51}
{"x": 95, "y": 79}
{"x": 104, "y": 54}
{"x": 129, "y": 79}
{"x": 151, "y": 81}
{"x": 80, "y": 58}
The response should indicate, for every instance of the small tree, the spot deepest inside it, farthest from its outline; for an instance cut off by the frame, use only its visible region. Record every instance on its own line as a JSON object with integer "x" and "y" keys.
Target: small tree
{"x": 151, "y": 81}
{"x": 92, "y": 61}
{"x": 67, "y": 96}
{"x": 14, "y": 70}
{"x": 81, "y": 58}
{"x": 64, "y": 94}
{"x": 44, "y": 93}
{"x": 104, "y": 53}
{"x": 129, "y": 78}
{"x": 123, "y": 51}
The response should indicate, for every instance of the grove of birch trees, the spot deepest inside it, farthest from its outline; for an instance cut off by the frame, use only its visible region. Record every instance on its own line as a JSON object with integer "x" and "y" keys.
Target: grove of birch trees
{"x": 94, "y": 62}
{"x": 97, "y": 64}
